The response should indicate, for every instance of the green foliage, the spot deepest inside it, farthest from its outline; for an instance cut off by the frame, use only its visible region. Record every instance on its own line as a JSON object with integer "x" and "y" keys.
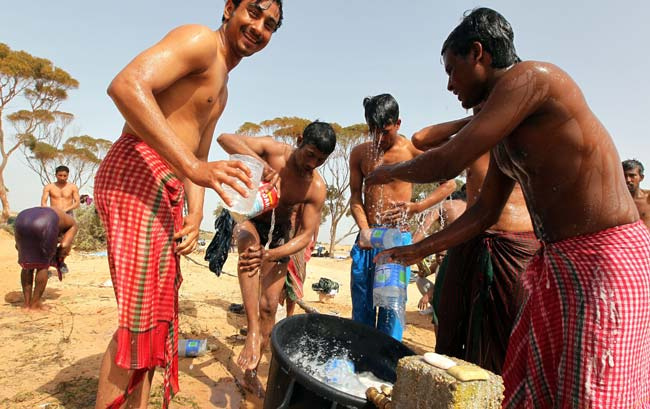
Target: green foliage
{"x": 91, "y": 235}
{"x": 35, "y": 88}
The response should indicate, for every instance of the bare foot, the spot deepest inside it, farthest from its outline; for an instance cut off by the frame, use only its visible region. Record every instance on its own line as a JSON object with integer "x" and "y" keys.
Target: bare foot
{"x": 40, "y": 307}
{"x": 251, "y": 382}
{"x": 249, "y": 356}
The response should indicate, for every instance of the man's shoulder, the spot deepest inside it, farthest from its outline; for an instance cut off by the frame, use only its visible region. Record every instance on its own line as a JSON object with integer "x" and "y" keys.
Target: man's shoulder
{"x": 535, "y": 70}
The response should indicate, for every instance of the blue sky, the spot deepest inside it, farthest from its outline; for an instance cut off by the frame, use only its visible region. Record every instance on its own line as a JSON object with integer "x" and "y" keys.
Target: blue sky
{"x": 328, "y": 55}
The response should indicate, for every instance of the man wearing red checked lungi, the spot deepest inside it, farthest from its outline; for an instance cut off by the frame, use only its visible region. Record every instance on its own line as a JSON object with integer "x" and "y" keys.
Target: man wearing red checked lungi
{"x": 171, "y": 97}
{"x": 582, "y": 338}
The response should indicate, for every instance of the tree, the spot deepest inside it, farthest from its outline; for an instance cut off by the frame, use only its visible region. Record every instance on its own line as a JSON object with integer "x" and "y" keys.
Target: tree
{"x": 82, "y": 154}
{"x": 34, "y": 83}
{"x": 336, "y": 173}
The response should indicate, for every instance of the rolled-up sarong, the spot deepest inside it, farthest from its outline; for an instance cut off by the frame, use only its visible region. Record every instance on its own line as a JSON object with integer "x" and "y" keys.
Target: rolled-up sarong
{"x": 582, "y": 339}
{"x": 297, "y": 271}
{"x": 140, "y": 203}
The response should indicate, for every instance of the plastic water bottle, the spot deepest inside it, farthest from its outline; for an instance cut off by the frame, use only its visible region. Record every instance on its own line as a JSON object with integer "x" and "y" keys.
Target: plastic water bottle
{"x": 265, "y": 199}
{"x": 380, "y": 238}
{"x": 192, "y": 347}
{"x": 389, "y": 287}
{"x": 242, "y": 204}
{"x": 337, "y": 370}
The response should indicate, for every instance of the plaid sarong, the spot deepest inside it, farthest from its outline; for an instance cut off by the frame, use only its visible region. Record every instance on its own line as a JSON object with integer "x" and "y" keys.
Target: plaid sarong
{"x": 478, "y": 294}
{"x": 582, "y": 339}
{"x": 297, "y": 271}
{"x": 140, "y": 202}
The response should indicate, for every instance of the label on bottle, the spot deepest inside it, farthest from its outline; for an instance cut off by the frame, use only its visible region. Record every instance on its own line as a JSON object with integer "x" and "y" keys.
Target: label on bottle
{"x": 377, "y": 237}
{"x": 264, "y": 201}
{"x": 192, "y": 347}
{"x": 390, "y": 275}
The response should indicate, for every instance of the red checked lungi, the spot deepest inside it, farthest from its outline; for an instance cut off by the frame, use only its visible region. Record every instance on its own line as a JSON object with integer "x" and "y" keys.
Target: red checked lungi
{"x": 140, "y": 203}
{"x": 582, "y": 339}
{"x": 297, "y": 271}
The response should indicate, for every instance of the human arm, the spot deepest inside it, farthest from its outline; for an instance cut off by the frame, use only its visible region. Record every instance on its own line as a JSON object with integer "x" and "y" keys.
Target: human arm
{"x": 261, "y": 148}
{"x": 310, "y": 218}
{"x": 185, "y": 51}
{"x": 188, "y": 235}
{"x": 68, "y": 229}
{"x": 424, "y": 302}
{"x": 45, "y": 195}
{"x": 356, "y": 186}
{"x": 75, "y": 199}
{"x": 435, "y": 135}
{"x": 399, "y": 209}
{"x": 483, "y": 214}
{"x": 518, "y": 94}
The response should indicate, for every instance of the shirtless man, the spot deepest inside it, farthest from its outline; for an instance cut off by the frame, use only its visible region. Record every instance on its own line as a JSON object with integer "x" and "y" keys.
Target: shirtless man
{"x": 388, "y": 205}
{"x": 44, "y": 237}
{"x": 62, "y": 194}
{"x": 171, "y": 96}
{"x": 582, "y": 336}
{"x": 633, "y": 170}
{"x": 478, "y": 291}
{"x": 300, "y": 186}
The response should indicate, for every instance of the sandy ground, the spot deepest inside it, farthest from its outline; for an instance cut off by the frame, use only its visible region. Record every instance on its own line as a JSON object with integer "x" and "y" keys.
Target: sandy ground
{"x": 51, "y": 360}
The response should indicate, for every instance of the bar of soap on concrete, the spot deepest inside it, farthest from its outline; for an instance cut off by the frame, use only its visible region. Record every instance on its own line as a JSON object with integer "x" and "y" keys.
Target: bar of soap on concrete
{"x": 420, "y": 385}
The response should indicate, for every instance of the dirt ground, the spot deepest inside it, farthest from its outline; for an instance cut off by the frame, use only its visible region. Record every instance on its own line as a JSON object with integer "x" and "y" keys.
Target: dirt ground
{"x": 51, "y": 359}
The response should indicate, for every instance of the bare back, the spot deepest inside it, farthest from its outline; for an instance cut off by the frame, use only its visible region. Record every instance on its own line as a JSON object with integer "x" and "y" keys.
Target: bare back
{"x": 515, "y": 216}
{"x": 562, "y": 156}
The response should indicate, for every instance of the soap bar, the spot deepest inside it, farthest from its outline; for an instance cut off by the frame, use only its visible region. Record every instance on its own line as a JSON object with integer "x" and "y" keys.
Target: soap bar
{"x": 467, "y": 373}
{"x": 439, "y": 361}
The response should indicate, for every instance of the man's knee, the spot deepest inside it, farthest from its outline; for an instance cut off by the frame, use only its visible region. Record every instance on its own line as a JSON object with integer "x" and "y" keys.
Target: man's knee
{"x": 268, "y": 306}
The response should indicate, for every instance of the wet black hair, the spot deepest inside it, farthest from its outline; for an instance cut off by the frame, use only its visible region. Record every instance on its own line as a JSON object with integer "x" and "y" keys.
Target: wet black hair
{"x": 380, "y": 110}
{"x": 62, "y": 168}
{"x": 278, "y": 2}
{"x": 633, "y": 164}
{"x": 489, "y": 28}
{"x": 321, "y": 135}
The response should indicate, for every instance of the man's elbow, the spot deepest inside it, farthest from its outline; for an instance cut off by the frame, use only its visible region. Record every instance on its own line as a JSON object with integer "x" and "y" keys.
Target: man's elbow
{"x": 120, "y": 88}
{"x": 418, "y": 140}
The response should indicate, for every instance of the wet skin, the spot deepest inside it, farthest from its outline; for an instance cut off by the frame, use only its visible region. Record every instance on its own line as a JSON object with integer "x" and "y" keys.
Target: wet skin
{"x": 543, "y": 135}
{"x": 300, "y": 186}
{"x": 389, "y": 204}
{"x": 171, "y": 96}
{"x": 514, "y": 217}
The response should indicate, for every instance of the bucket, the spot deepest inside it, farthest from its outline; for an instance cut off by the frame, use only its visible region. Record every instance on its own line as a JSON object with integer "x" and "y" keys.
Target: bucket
{"x": 290, "y": 386}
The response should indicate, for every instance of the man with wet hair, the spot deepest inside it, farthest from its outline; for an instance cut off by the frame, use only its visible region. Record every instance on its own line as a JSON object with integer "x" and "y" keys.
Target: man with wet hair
{"x": 264, "y": 271}
{"x": 478, "y": 290}
{"x": 61, "y": 194}
{"x": 582, "y": 336}
{"x": 633, "y": 171}
{"x": 171, "y": 96}
{"x": 381, "y": 206}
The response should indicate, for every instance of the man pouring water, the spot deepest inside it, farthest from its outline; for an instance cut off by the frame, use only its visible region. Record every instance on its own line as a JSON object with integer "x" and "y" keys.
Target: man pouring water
{"x": 265, "y": 242}
{"x": 386, "y": 206}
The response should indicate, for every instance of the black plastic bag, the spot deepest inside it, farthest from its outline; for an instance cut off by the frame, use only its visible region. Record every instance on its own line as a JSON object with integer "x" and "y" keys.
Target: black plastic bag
{"x": 325, "y": 286}
{"x": 217, "y": 252}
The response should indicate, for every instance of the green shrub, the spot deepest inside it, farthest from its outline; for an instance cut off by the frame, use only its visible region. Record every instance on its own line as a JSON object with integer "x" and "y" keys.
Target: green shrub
{"x": 91, "y": 235}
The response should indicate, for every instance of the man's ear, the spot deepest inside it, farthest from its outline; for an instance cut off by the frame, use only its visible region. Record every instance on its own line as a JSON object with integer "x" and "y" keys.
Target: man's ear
{"x": 641, "y": 178}
{"x": 477, "y": 51}
{"x": 299, "y": 140}
{"x": 398, "y": 123}
{"x": 228, "y": 10}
